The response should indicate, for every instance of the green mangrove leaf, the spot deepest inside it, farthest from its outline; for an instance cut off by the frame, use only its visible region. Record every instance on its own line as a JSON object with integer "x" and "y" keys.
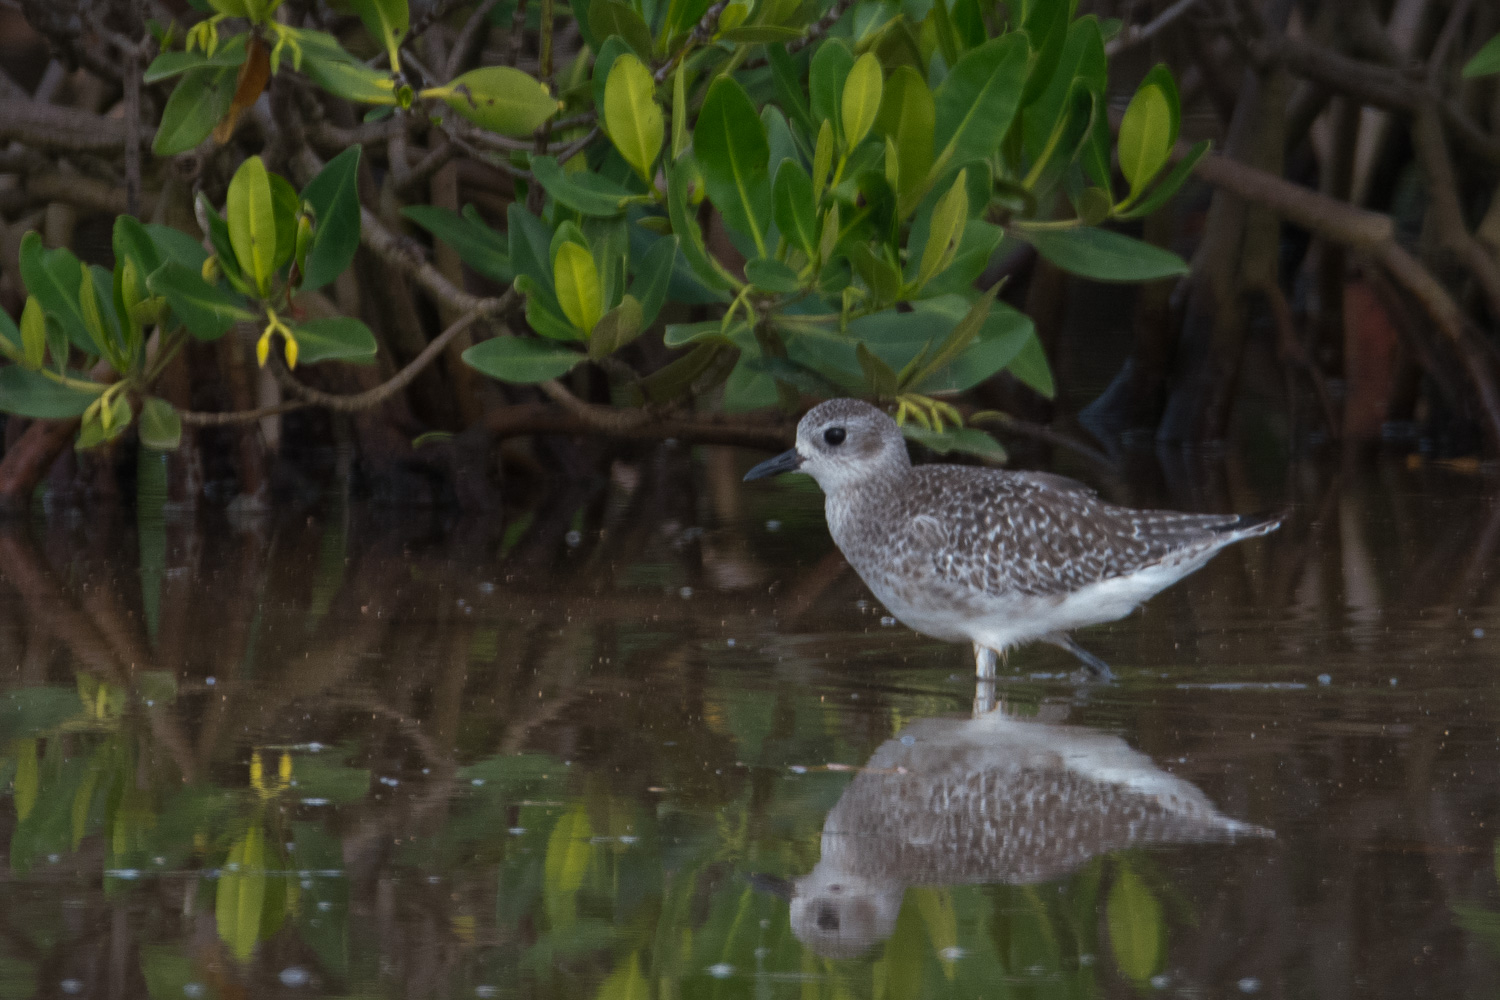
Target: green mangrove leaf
{"x": 388, "y": 21}
{"x": 975, "y": 104}
{"x": 576, "y": 279}
{"x": 1169, "y": 185}
{"x": 197, "y": 104}
{"x": 31, "y": 394}
{"x": 861, "y": 99}
{"x": 771, "y": 275}
{"x": 948, "y": 218}
{"x": 653, "y": 276}
{"x": 631, "y": 117}
{"x": 830, "y": 68}
{"x": 583, "y": 191}
{"x": 616, "y": 328}
{"x": 334, "y": 338}
{"x": 729, "y": 142}
{"x": 251, "y": 217}
{"x": 206, "y": 310}
{"x": 479, "y": 246}
{"x": 794, "y": 207}
{"x": 608, "y": 18}
{"x": 334, "y": 196}
{"x": 1103, "y": 255}
{"x": 349, "y": 79}
{"x": 522, "y": 360}
{"x": 907, "y": 117}
{"x": 1485, "y": 61}
{"x": 170, "y": 64}
{"x": 501, "y": 99}
{"x": 1149, "y": 129}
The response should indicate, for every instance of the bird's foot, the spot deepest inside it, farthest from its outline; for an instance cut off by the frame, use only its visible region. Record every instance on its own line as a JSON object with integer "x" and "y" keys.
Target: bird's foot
{"x": 1095, "y": 666}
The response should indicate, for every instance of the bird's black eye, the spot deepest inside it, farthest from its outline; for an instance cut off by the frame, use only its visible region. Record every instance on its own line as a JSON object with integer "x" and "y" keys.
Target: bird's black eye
{"x": 834, "y": 435}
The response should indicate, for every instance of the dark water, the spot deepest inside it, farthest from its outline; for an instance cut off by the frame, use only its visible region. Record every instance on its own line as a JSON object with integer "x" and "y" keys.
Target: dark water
{"x": 590, "y": 748}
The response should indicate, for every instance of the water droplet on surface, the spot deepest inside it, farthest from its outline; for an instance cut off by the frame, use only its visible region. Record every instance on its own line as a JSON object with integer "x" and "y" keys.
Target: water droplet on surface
{"x": 293, "y": 975}
{"x": 721, "y": 970}
{"x": 71, "y": 986}
{"x": 1249, "y": 985}
{"x": 1161, "y": 982}
{"x": 1325, "y": 679}
{"x": 573, "y": 538}
{"x": 1478, "y": 633}
{"x": 773, "y": 525}
{"x": 192, "y": 989}
{"x": 951, "y": 954}
{"x": 685, "y": 592}
{"x": 485, "y": 991}
{"x": 887, "y": 621}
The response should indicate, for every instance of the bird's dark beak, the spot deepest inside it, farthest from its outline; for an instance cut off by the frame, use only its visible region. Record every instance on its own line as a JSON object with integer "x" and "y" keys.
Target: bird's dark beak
{"x": 787, "y": 461}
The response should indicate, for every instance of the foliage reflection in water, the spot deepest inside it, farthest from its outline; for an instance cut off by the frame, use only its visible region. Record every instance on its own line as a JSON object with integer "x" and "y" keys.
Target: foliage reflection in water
{"x": 591, "y": 751}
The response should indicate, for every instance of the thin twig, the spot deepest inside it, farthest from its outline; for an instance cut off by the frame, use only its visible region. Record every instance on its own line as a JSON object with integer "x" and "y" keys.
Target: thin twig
{"x": 702, "y": 32}
{"x": 197, "y": 418}
{"x": 374, "y": 397}
{"x": 1136, "y": 34}
{"x": 569, "y": 152}
{"x": 464, "y": 43}
{"x": 517, "y": 34}
{"x": 821, "y": 26}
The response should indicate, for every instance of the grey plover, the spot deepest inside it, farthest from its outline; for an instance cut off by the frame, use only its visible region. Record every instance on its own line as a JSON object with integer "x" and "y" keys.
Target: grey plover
{"x": 993, "y": 800}
{"x": 986, "y": 556}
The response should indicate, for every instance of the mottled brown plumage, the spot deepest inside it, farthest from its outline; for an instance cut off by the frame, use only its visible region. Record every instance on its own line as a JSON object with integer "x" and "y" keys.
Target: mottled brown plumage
{"x": 992, "y": 557}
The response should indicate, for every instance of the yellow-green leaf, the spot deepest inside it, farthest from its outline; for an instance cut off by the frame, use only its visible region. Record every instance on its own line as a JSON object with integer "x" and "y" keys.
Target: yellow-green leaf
{"x": 1136, "y": 933}
{"x": 577, "y": 281}
{"x": 501, "y": 99}
{"x": 861, "y": 100}
{"x": 567, "y": 860}
{"x": 252, "y": 223}
{"x": 822, "y": 159}
{"x": 387, "y": 20}
{"x": 93, "y": 315}
{"x": 28, "y": 778}
{"x": 241, "y": 893}
{"x": 907, "y": 117}
{"x": 626, "y": 982}
{"x": 631, "y": 117}
{"x": 679, "y": 110}
{"x": 33, "y": 333}
{"x": 948, "y": 218}
{"x": 1145, "y": 136}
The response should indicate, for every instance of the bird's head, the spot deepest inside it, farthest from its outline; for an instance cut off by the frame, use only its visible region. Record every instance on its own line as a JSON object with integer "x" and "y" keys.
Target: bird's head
{"x": 840, "y": 915}
{"x": 840, "y": 443}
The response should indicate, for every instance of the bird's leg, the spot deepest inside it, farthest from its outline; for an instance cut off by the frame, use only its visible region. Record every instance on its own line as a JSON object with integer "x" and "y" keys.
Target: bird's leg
{"x": 984, "y": 662}
{"x": 1095, "y": 666}
{"x": 984, "y": 685}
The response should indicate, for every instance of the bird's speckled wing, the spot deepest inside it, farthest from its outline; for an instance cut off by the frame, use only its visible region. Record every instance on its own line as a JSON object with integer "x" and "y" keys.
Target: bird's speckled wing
{"x": 1006, "y": 533}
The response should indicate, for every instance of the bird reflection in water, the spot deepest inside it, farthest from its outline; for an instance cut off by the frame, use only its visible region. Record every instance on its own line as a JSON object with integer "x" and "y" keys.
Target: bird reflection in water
{"x": 995, "y": 799}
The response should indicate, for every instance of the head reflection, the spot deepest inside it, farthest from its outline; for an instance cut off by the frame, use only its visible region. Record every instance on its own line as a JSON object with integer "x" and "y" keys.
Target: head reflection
{"x": 996, "y": 799}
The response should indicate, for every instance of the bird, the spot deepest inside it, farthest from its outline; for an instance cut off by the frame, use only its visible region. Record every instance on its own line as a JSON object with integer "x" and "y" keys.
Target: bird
{"x": 992, "y": 800}
{"x": 987, "y": 556}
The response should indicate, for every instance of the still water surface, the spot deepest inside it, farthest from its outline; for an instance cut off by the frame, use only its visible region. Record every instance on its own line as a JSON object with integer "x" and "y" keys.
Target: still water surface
{"x": 650, "y": 738}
